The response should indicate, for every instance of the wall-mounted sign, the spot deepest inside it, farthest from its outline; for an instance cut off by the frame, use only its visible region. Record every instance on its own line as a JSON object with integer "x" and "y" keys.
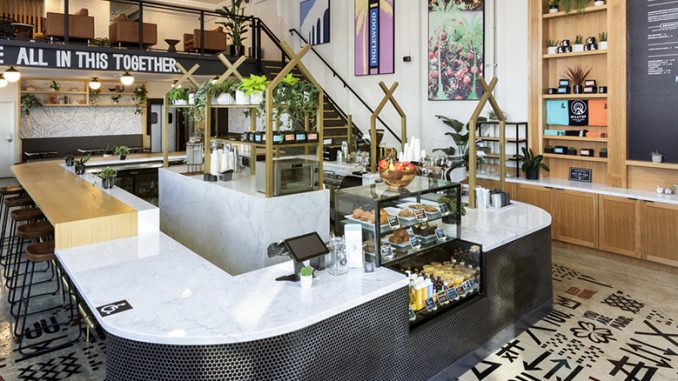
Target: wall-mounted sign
{"x": 582, "y": 175}
{"x": 58, "y": 56}
{"x": 579, "y": 113}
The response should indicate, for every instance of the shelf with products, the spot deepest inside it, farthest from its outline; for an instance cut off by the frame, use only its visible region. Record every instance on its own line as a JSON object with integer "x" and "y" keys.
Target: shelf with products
{"x": 576, "y": 157}
{"x": 417, "y": 228}
{"x": 575, "y": 12}
{"x": 575, "y": 54}
{"x": 517, "y": 135}
{"x": 576, "y": 139}
{"x": 575, "y": 96}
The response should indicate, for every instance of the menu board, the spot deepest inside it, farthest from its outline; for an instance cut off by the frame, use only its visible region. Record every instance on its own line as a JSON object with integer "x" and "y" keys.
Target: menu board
{"x": 652, "y": 79}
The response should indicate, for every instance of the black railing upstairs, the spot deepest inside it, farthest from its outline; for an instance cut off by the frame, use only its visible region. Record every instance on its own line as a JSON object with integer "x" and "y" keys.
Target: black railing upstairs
{"x": 345, "y": 84}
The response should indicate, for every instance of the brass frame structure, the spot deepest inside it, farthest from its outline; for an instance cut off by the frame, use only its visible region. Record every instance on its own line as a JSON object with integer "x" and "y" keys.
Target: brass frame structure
{"x": 373, "y": 122}
{"x": 187, "y": 76}
{"x": 473, "y": 152}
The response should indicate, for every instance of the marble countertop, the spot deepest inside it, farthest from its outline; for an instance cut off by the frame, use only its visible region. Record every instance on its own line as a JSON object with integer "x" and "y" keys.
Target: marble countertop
{"x": 98, "y": 161}
{"x": 492, "y": 228}
{"x": 179, "y": 298}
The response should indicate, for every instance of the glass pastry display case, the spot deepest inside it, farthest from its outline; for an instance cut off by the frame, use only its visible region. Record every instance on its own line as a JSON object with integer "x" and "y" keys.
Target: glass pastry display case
{"x": 416, "y": 230}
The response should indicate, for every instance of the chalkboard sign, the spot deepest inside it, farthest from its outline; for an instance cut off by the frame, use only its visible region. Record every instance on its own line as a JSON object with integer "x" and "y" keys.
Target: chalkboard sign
{"x": 582, "y": 175}
{"x": 652, "y": 79}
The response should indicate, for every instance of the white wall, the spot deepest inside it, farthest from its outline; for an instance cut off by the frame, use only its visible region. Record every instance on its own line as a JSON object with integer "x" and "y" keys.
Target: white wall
{"x": 411, "y": 35}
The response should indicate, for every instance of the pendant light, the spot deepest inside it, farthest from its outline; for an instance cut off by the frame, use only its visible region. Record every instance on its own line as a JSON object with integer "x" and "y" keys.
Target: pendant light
{"x": 12, "y": 74}
{"x": 215, "y": 80}
{"x": 127, "y": 79}
{"x": 94, "y": 84}
{"x": 3, "y": 81}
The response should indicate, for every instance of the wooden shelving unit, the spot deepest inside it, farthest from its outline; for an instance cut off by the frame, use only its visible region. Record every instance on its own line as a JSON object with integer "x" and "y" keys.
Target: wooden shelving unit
{"x": 649, "y": 164}
{"x": 547, "y": 69}
{"x": 79, "y": 98}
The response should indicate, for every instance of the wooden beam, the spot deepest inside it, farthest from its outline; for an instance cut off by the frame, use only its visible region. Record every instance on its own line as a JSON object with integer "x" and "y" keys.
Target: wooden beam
{"x": 472, "y": 150}
{"x": 188, "y": 75}
{"x": 231, "y": 68}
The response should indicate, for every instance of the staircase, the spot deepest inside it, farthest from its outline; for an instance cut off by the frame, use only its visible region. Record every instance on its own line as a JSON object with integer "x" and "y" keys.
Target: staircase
{"x": 335, "y": 121}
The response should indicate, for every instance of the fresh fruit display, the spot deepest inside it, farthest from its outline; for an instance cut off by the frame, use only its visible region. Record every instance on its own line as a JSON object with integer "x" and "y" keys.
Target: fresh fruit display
{"x": 397, "y": 174}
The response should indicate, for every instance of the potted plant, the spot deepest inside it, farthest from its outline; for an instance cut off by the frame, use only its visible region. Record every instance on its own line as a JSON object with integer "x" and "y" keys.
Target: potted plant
{"x": 306, "y": 276}
{"x": 657, "y": 157}
{"x": 554, "y": 6}
{"x": 552, "y": 46}
{"x": 460, "y": 136}
{"x": 602, "y": 152}
{"x": 140, "y": 96}
{"x": 80, "y": 165}
{"x": 107, "y": 176}
{"x": 549, "y": 149}
{"x": 251, "y": 90}
{"x": 178, "y": 96}
{"x": 598, "y": 3}
{"x": 569, "y": 5}
{"x": 532, "y": 164}
{"x": 122, "y": 152}
{"x": 572, "y": 151}
{"x": 578, "y": 45}
{"x": 29, "y": 101}
{"x": 70, "y": 160}
{"x": 54, "y": 86}
{"x": 94, "y": 96}
{"x": 576, "y": 74}
{"x": 602, "y": 40}
{"x": 236, "y": 27}
{"x": 224, "y": 92}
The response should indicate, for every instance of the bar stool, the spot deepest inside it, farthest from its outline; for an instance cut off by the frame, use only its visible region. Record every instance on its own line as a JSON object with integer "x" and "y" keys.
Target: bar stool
{"x": 42, "y": 252}
{"x": 25, "y": 215}
{"x": 22, "y": 201}
{"x": 33, "y": 231}
{"x": 5, "y": 192}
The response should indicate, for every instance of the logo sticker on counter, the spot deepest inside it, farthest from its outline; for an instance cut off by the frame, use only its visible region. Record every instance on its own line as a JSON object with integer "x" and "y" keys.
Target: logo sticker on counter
{"x": 393, "y": 222}
{"x": 114, "y": 308}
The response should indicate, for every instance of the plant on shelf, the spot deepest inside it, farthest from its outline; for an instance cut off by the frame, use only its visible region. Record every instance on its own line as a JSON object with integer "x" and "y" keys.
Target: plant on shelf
{"x": 80, "y": 164}
{"x": 236, "y": 26}
{"x": 602, "y": 152}
{"x": 552, "y": 46}
{"x": 94, "y": 96}
{"x": 306, "y": 276}
{"x": 532, "y": 164}
{"x": 602, "y": 40}
{"x": 549, "y": 149}
{"x": 578, "y": 5}
{"x": 101, "y": 42}
{"x": 54, "y": 86}
{"x": 178, "y": 96}
{"x": 107, "y": 176}
{"x": 29, "y": 101}
{"x": 254, "y": 86}
{"x": 70, "y": 160}
{"x": 140, "y": 97}
{"x": 576, "y": 74}
{"x": 657, "y": 157}
{"x": 460, "y": 136}
{"x": 578, "y": 45}
{"x": 554, "y": 6}
{"x": 224, "y": 92}
{"x": 121, "y": 152}
{"x": 304, "y": 103}
{"x": 452, "y": 205}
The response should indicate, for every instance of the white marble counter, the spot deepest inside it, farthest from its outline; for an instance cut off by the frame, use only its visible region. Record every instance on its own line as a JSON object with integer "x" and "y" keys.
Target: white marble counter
{"x": 492, "y": 228}
{"x": 340, "y": 168}
{"x": 179, "y": 298}
{"x": 592, "y": 188}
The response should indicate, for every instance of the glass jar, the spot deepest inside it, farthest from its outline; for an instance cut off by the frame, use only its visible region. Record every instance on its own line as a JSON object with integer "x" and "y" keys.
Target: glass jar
{"x": 338, "y": 263}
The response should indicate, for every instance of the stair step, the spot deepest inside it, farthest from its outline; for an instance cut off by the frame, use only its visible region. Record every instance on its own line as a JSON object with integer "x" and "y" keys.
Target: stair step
{"x": 336, "y": 127}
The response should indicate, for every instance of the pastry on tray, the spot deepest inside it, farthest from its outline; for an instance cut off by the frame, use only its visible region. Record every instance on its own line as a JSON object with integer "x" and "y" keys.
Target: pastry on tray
{"x": 424, "y": 229}
{"x": 399, "y": 236}
{"x": 406, "y": 213}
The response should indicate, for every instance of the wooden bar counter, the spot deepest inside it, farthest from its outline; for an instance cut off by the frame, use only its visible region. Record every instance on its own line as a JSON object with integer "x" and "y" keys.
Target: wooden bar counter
{"x": 80, "y": 212}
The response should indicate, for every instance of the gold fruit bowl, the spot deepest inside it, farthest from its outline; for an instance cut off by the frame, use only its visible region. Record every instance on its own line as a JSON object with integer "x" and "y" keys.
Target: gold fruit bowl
{"x": 397, "y": 179}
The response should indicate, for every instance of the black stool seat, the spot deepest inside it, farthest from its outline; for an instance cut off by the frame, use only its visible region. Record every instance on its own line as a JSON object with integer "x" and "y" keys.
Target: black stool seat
{"x": 41, "y": 252}
{"x": 35, "y": 230}
{"x": 11, "y": 190}
{"x": 18, "y": 201}
{"x": 27, "y": 214}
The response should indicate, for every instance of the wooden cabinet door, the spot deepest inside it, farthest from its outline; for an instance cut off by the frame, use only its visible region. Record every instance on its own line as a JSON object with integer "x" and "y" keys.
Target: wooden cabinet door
{"x": 576, "y": 217}
{"x": 540, "y": 197}
{"x": 659, "y": 233}
{"x": 618, "y": 220}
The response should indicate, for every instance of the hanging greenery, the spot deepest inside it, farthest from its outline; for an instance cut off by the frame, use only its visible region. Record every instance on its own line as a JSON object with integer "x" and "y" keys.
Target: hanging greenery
{"x": 140, "y": 97}
{"x": 29, "y": 101}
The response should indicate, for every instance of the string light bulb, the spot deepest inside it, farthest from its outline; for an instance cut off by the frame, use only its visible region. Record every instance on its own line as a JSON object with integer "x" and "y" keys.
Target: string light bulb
{"x": 94, "y": 84}
{"x": 127, "y": 79}
{"x": 12, "y": 74}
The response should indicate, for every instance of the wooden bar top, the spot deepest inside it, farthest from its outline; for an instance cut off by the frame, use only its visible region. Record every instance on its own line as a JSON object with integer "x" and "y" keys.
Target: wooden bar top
{"x": 80, "y": 212}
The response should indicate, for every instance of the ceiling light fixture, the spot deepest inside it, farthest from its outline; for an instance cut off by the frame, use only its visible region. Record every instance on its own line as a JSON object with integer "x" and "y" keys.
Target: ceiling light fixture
{"x": 215, "y": 80}
{"x": 174, "y": 83}
{"x": 12, "y": 74}
{"x": 94, "y": 84}
{"x": 3, "y": 81}
{"x": 127, "y": 79}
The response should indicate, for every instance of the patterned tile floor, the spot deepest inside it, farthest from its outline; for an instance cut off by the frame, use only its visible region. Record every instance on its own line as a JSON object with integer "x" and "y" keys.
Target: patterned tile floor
{"x": 611, "y": 320}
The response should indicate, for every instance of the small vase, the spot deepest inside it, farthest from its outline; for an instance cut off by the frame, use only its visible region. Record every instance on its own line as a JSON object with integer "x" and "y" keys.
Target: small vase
{"x": 553, "y": 10}
{"x": 578, "y": 48}
{"x": 191, "y": 99}
{"x": 602, "y": 45}
{"x": 123, "y": 157}
{"x": 225, "y": 99}
{"x": 306, "y": 281}
{"x": 180, "y": 102}
{"x": 257, "y": 98}
{"x": 79, "y": 169}
{"x": 241, "y": 98}
{"x": 657, "y": 158}
{"x": 598, "y": 3}
{"x": 108, "y": 183}
{"x": 551, "y": 50}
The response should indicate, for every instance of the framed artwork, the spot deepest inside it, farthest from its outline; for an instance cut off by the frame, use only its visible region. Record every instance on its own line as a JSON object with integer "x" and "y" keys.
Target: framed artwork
{"x": 315, "y": 21}
{"x": 456, "y": 49}
{"x": 374, "y": 37}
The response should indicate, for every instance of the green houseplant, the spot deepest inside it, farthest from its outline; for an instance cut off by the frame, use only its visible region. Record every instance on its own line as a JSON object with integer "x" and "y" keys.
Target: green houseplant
{"x": 224, "y": 92}
{"x": 108, "y": 176}
{"x": 306, "y": 276}
{"x": 570, "y": 5}
{"x": 602, "y": 41}
{"x": 460, "y": 136}
{"x": 554, "y": 6}
{"x": 29, "y": 101}
{"x": 236, "y": 27}
{"x": 80, "y": 164}
{"x": 122, "y": 152}
{"x": 140, "y": 97}
{"x": 54, "y": 86}
{"x": 532, "y": 164}
{"x": 178, "y": 96}
{"x": 70, "y": 160}
{"x": 251, "y": 90}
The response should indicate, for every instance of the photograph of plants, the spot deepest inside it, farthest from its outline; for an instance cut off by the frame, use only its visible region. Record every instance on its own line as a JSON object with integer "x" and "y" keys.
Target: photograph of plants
{"x": 456, "y": 49}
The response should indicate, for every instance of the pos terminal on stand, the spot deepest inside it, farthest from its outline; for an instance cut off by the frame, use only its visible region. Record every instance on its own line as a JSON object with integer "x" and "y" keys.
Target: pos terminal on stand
{"x": 300, "y": 249}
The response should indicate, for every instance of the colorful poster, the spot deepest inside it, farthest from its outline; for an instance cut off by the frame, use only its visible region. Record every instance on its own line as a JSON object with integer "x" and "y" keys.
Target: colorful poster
{"x": 315, "y": 21}
{"x": 374, "y": 37}
{"x": 456, "y": 49}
